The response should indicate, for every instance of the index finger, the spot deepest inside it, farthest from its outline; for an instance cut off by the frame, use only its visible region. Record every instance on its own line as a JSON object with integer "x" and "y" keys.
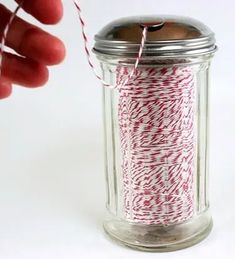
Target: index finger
{"x": 46, "y": 11}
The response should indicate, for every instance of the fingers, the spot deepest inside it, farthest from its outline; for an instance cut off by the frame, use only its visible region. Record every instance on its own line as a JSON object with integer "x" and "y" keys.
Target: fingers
{"x": 30, "y": 41}
{"x": 36, "y": 48}
{"x": 38, "y": 45}
{"x": 5, "y": 88}
{"x": 22, "y": 71}
{"x": 46, "y": 11}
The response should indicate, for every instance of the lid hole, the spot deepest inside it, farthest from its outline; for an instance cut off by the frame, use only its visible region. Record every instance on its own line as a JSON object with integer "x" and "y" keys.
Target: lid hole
{"x": 152, "y": 26}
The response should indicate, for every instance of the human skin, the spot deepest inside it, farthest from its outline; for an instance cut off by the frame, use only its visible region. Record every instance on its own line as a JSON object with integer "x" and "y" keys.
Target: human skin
{"x": 35, "y": 48}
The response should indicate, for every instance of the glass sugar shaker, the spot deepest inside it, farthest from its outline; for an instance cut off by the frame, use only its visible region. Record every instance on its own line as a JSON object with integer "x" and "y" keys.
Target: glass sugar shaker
{"x": 156, "y": 131}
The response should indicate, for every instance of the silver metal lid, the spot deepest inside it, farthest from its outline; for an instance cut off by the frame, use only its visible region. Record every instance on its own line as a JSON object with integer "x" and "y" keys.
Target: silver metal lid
{"x": 167, "y": 36}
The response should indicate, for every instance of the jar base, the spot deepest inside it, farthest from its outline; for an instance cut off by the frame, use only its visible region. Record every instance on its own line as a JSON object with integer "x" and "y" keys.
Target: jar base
{"x": 153, "y": 238}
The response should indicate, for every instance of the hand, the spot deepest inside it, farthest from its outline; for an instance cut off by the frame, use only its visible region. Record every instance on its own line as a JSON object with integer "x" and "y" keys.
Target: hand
{"x": 35, "y": 48}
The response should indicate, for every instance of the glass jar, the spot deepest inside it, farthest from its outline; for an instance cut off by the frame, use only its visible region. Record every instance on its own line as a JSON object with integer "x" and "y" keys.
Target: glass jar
{"x": 156, "y": 131}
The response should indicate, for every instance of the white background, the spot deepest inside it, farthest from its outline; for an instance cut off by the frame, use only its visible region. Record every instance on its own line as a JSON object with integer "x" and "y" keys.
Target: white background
{"x": 52, "y": 189}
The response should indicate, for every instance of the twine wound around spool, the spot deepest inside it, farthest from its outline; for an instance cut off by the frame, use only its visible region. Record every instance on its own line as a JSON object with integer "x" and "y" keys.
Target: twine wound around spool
{"x": 156, "y": 112}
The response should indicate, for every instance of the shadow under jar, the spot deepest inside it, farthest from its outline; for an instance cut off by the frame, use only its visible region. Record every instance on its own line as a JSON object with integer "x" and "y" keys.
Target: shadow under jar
{"x": 156, "y": 131}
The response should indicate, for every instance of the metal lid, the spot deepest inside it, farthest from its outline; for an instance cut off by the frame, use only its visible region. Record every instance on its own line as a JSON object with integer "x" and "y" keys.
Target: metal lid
{"x": 166, "y": 36}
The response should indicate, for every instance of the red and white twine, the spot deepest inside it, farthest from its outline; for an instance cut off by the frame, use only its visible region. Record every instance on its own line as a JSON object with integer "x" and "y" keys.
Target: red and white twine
{"x": 156, "y": 114}
{"x": 156, "y": 118}
{"x": 85, "y": 38}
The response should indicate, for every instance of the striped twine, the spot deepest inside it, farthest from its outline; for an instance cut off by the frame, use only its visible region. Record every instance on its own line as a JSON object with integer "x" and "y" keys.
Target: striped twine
{"x": 156, "y": 118}
{"x": 87, "y": 51}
